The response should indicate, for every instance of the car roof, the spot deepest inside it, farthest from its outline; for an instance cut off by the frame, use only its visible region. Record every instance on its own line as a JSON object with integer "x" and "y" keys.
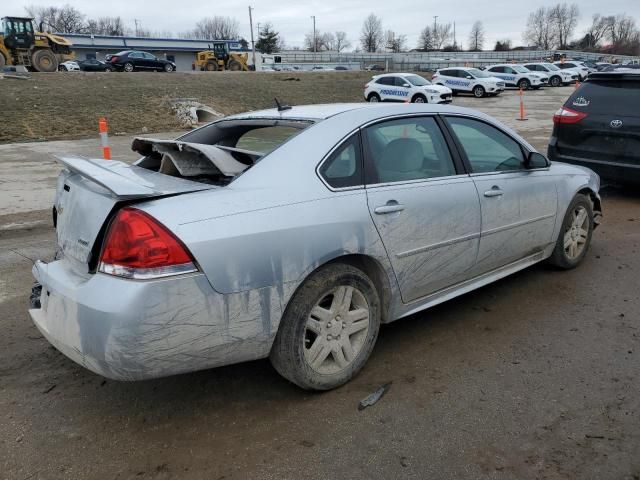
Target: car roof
{"x": 324, "y": 111}
{"x": 394, "y": 74}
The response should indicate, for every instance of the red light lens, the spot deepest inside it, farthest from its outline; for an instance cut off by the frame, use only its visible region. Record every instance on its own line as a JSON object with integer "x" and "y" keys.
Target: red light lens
{"x": 113, "y": 59}
{"x": 566, "y": 115}
{"x": 137, "y": 241}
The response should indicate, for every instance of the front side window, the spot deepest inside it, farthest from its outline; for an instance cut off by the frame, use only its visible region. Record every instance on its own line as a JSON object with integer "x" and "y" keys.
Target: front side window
{"x": 406, "y": 149}
{"x": 478, "y": 73}
{"x": 344, "y": 167}
{"x": 148, "y": 56}
{"x": 487, "y": 148}
{"x": 417, "y": 80}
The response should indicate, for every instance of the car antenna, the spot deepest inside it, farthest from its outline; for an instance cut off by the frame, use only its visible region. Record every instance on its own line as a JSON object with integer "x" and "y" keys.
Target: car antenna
{"x": 282, "y": 108}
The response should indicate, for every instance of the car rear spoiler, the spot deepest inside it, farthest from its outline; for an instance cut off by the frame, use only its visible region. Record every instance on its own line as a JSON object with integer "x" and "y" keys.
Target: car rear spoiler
{"x": 128, "y": 181}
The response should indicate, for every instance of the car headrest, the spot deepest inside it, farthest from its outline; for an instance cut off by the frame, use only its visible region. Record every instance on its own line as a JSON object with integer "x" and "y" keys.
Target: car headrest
{"x": 402, "y": 155}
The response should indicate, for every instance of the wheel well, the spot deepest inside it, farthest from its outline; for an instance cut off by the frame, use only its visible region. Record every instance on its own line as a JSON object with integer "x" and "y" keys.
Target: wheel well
{"x": 597, "y": 205}
{"x": 372, "y": 94}
{"x": 375, "y": 272}
{"x": 417, "y": 95}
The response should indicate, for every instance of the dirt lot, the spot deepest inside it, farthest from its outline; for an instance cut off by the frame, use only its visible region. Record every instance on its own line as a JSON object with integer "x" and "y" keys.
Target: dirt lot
{"x": 533, "y": 377}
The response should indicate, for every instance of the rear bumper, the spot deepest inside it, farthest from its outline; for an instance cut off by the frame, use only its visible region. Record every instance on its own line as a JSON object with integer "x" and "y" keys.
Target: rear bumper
{"x": 612, "y": 171}
{"x": 134, "y": 330}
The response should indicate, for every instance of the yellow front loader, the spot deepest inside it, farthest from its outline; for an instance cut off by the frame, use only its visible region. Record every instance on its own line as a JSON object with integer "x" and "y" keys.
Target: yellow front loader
{"x": 21, "y": 44}
{"x": 219, "y": 58}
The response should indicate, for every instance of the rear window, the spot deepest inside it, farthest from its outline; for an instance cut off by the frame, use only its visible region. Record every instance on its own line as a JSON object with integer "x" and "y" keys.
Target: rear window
{"x": 265, "y": 140}
{"x": 621, "y": 97}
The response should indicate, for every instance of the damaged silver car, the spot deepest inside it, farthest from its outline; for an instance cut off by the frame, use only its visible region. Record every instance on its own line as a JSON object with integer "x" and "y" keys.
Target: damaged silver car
{"x": 293, "y": 233}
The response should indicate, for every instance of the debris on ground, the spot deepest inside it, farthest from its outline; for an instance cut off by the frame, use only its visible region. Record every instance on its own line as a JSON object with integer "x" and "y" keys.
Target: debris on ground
{"x": 374, "y": 397}
{"x": 192, "y": 113}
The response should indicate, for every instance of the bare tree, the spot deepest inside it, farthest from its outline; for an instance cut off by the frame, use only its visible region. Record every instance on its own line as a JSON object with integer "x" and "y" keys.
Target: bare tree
{"x": 320, "y": 40}
{"x": 371, "y": 35}
{"x": 394, "y": 42}
{"x": 564, "y": 18}
{"x": 596, "y": 31}
{"x": 342, "y": 42}
{"x": 217, "y": 28}
{"x": 112, "y": 26}
{"x": 441, "y": 35}
{"x": 623, "y": 33}
{"x": 539, "y": 30}
{"x": 425, "y": 42}
{"x": 476, "y": 36}
{"x": 66, "y": 19}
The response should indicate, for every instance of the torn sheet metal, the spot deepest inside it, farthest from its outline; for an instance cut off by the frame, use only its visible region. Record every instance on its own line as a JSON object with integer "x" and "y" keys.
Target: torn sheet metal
{"x": 189, "y": 159}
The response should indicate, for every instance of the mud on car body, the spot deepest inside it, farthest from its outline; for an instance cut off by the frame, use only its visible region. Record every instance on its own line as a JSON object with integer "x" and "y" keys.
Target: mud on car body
{"x": 405, "y": 87}
{"x": 469, "y": 80}
{"x": 293, "y": 233}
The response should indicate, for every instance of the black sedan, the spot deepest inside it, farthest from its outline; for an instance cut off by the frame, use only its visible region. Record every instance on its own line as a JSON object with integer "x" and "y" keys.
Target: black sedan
{"x": 132, "y": 60}
{"x": 93, "y": 65}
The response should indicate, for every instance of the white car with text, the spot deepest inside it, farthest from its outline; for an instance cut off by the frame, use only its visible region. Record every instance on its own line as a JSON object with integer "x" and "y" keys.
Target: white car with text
{"x": 405, "y": 87}
{"x": 557, "y": 77}
{"x": 469, "y": 80}
{"x": 517, "y": 76}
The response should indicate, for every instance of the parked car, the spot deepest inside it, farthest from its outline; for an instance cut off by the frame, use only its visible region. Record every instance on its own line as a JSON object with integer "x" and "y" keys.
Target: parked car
{"x": 469, "y": 80}
{"x": 374, "y": 68}
{"x": 580, "y": 70}
{"x": 401, "y": 87}
{"x": 93, "y": 65}
{"x": 517, "y": 76}
{"x": 341, "y": 67}
{"x": 599, "y": 126}
{"x": 69, "y": 66}
{"x": 297, "y": 243}
{"x": 132, "y": 60}
{"x": 557, "y": 77}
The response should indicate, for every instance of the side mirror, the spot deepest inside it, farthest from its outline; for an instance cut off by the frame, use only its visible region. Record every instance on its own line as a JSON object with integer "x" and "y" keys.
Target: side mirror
{"x": 536, "y": 160}
{"x": 469, "y": 77}
{"x": 406, "y": 85}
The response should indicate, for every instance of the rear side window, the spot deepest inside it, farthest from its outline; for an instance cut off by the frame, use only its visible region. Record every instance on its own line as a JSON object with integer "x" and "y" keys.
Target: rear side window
{"x": 487, "y": 148}
{"x": 406, "y": 149}
{"x": 344, "y": 167}
{"x": 385, "y": 81}
{"x": 610, "y": 97}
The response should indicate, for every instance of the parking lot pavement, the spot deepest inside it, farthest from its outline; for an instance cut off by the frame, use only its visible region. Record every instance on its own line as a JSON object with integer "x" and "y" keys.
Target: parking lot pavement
{"x": 535, "y": 376}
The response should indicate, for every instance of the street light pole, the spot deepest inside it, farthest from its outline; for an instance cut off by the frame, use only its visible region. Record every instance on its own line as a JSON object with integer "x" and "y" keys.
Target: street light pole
{"x": 253, "y": 44}
{"x": 315, "y": 43}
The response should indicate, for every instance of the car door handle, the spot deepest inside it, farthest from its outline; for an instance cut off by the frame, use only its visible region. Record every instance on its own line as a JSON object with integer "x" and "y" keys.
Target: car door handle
{"x": 390, "y": 207}
{"x": 494, "y": 192}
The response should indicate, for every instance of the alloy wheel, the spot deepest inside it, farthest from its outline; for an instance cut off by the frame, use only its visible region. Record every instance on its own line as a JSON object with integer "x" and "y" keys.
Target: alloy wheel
{"x": 336, "y": 330}
{"x": 575, "y": 237}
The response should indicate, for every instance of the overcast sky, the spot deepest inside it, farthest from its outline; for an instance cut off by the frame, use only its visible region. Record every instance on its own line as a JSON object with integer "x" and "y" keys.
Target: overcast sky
{"x": 502, "y": 18}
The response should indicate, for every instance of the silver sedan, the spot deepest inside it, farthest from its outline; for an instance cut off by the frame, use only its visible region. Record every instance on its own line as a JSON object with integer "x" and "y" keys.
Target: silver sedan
{"x": 293, "y": 233}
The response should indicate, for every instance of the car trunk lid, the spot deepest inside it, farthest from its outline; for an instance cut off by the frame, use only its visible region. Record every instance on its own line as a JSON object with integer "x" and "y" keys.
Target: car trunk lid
{"x": 90, "y": 190}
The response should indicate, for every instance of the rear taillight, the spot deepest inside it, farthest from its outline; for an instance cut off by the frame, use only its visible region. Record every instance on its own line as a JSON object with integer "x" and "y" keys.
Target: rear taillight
{"x": 113, "y": 59}
{"x": 434, "y": 76}
{"x": 137, "y": 246}
{"x": 567, "y": 115}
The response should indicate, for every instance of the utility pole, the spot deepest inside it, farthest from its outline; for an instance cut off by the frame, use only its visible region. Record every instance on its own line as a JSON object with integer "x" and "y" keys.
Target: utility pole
{"x": 253, "y": 44}
{"x": 315, "y": 43}
{"x": 455, "y": 44}
{"x": 135, "y": 20}
{"x": 435, "y": 17}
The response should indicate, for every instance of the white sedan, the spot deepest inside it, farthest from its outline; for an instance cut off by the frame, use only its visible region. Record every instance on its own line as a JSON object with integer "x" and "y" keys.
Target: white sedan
{"x": 69, "y": 66}
{"x": 405, "y": 87}
{"x": 557, "y": 77}
{"x": 469, "y": 80}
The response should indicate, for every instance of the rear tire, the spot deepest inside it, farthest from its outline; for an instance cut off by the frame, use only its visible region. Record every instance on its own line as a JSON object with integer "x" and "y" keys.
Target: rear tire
{"x": 373, "y": 98}
{"x": 128, "y": 67}
{"x": 211, "y": 67}
{"x": 44, "y": 61}
{"x": 575, "y": 235}
{"x": 3, "y": 61}
{"x": 555, "y": 81}
{"x": 329, "y": 328}
{"x": 478, "y": 91}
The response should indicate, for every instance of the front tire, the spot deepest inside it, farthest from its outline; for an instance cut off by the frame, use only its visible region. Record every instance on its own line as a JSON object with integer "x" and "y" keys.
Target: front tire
{"x": 555, "y": 81}
{"x": 329, "y": 328}
{"x": 44, "y": 61}
{"x": 524, "y": 84}
{"x": 575, "y": 234}
{"x": 479, "y": 91}
{"x": 168, "y": 68}
{"x": 234, "y": 66}
{"x": 419, "y": 99}
{"x": 373, "y": 98}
